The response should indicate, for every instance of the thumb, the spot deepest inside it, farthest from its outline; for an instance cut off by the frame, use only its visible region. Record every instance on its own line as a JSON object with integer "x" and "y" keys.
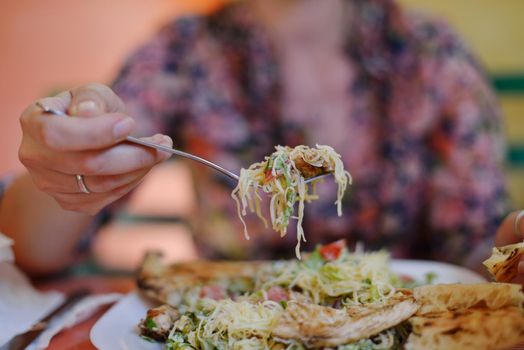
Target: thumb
{"x": 94, "y": 99}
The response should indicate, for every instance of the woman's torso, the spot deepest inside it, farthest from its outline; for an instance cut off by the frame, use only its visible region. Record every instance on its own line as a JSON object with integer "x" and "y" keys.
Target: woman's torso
{"x": 225, "y": 91}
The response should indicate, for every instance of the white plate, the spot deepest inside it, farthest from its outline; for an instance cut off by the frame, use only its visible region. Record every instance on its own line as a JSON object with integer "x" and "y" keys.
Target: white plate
{"x": 117, "y": 329}
{"x": 445, "y": 273}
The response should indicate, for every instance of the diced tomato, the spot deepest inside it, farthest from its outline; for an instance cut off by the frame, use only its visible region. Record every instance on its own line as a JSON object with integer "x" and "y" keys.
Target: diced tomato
{"x": 332, "y": 251}
{"x": 277, "y": 293}
{"x": 269, "y": 176}
{"x": 214, "y": 292}
{"x": 406, "y": 278}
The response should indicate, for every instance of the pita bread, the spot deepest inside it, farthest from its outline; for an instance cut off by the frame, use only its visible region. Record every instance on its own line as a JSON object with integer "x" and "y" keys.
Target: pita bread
{"x": 504, "y": 261}
{"x": 319, "y": 326}
{"x": 456, "y": 297}
{"x": 472, "y": 329}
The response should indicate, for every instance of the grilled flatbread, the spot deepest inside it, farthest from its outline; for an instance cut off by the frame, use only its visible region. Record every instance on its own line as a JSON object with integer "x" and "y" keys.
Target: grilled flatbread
{"x": 504, "y": 261}
{"x": 319, "y": 326}
{"x": 457, "y": 297}
{"x": 471, "y": 329}
{"x": 467, "y": 316}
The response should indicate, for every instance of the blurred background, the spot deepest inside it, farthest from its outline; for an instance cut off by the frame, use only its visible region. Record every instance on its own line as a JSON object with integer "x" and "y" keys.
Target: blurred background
{"x": 53, "y": 45}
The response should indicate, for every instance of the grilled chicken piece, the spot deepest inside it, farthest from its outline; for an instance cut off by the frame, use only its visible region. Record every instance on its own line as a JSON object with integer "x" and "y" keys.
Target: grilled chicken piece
{"x": 319, "y": 326}
{"x": 307, "y": 170}
{"x": 158, "y": 322}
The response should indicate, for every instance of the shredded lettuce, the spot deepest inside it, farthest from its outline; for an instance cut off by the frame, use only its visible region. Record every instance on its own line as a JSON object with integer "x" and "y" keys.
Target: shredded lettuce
{"x": 227, "y": 324}
{"x": 150, "y": 323}
{"x": 354, "y": 278}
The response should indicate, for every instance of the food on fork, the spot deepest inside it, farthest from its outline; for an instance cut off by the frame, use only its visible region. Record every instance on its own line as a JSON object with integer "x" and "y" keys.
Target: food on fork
{"x": 282, "y": 175}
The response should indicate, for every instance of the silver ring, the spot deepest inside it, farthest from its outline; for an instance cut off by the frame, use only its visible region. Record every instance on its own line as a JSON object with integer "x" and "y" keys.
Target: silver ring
{"x": 82, "y": 184}
{"x": 516, "y": 227}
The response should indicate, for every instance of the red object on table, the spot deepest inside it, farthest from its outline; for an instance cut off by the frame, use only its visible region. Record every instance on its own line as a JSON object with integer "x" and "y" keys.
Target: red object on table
{"x": 77, "y": 337}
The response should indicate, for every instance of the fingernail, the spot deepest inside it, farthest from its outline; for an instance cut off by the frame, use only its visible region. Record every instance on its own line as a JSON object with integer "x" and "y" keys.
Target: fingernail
{"x": 520, "y": 268}
{"x": 84, "y": 108}
{"x": 123, "y": 128}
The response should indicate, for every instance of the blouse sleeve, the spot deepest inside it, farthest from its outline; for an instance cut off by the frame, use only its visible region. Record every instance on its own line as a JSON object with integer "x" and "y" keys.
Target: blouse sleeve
{"x": 466, "y": 183}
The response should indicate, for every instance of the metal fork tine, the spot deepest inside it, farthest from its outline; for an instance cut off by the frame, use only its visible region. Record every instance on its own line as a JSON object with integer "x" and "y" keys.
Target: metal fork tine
{"x": 318, "y": 177}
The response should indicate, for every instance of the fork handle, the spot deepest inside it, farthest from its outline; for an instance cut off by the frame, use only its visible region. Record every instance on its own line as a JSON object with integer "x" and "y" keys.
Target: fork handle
{"x": 182, "y": 154}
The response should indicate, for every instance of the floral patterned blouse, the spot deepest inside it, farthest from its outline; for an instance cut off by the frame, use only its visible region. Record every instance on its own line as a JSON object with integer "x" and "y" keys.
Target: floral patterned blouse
{"x": 421, "y": 135}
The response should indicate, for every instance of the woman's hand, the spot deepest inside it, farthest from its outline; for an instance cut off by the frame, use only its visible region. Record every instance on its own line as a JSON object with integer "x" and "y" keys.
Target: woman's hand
{"x": 56, "y": 148}
{"x": 510, "y": 232}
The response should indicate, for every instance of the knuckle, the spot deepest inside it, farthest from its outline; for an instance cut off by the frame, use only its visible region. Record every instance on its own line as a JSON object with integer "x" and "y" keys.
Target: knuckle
{"x": 25, "y": 121}
{"x": 29, "y": 124}
{"x": 27, "y": 116}
{"x": 27, "y": 158}
{"x": 48, "y": 136}
{"x": 112, "y": 102}
{"x": 97, "y": 87}
{"x": 104, "y": 90}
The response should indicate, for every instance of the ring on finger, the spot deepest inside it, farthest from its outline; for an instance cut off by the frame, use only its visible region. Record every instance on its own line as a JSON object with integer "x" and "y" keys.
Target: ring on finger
{"x": 516, "y": 224}
{"x": 81, "y": 184}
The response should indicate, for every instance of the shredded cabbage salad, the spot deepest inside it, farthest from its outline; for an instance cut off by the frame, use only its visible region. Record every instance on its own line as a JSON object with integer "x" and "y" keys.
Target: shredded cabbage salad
{"x": 226, "y": 324}
{"x": 349, "y": 278}
{"x": 329, "y": 276}
{"x": 280, "y": 177}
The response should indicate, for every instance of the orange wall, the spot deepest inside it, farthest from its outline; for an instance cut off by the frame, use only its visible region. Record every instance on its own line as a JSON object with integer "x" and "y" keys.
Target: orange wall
{"x": 56, "y": 44}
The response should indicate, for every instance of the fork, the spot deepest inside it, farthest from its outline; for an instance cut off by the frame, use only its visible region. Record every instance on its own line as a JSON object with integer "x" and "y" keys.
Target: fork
{"x": 174, "y": 151}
